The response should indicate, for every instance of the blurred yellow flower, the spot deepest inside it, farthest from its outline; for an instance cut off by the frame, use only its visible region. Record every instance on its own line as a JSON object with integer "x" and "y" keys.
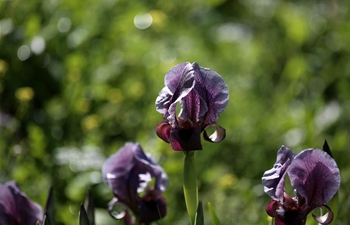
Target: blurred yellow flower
{"x": 90, "y": 122}
{"x": 24, "y": 94}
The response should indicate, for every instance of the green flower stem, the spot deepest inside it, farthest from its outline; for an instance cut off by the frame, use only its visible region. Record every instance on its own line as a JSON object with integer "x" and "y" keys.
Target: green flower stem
{"x": 190, "y": 185}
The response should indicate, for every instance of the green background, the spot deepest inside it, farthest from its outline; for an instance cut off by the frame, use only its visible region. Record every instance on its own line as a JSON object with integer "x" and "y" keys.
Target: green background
{"x": 79, "y": 78}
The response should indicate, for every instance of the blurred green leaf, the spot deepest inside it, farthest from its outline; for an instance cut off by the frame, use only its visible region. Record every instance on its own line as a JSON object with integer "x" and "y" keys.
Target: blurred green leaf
{"x": 89, "y": 205}
{"x": 213, "y": 215}
{"x": 199, "y": 219}
{"x": 50, "y": 207}
{"x": 83, "y": 217}
{"x": 46, "y": 220}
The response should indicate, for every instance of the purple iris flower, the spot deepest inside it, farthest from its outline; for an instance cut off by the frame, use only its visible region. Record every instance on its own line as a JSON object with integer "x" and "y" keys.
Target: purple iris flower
{"x": 315, "y": 177}
{"x": 128, "y": 173}
{"x": 202, "y": 95}
{"x": 16, "y": 208}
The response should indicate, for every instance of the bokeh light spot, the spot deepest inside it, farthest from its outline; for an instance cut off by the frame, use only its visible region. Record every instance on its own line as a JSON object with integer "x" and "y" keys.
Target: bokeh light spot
{"x": 38, "y": 45}
{"x": 317, "y": 24}
{"x": 6, "y": 26}
{"x": 143, "y": 21}
{"x": 23, "y": 52}
{"x": 64, "y": 25}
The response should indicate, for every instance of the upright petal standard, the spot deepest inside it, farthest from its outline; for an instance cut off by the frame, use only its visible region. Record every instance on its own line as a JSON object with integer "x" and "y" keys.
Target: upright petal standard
{"x": 315, "y": 177}
{"x": 16, "y": 208}
{"x": 129, "y": 173}
{"x": 202, "y": 95}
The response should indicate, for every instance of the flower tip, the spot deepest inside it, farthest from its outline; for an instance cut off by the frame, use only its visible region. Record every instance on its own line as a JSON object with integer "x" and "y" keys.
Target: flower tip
{"x": 218, "y": 135}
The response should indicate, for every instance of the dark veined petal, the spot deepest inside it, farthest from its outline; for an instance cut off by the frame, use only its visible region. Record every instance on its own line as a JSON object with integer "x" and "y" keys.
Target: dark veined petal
{"x": 163, "y": 131}
{"x": 185, "y": 139}
{"x": 218, "y": 135}
{"x": 18, "y": 207}
{"x": 193, "y": 107}
{"x": 315, "y": 176}
{"x": 325, "y": 219}
{"x": 273, "y": 179}
{"x": 213, "y": 90}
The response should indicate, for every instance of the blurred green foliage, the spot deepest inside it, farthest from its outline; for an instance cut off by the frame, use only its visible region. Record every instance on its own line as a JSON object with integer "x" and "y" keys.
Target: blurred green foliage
{"x": 80, "y": 78}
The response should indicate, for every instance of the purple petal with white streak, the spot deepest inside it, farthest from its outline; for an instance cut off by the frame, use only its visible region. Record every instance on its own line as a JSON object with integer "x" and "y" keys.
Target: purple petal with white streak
{"x": 273, "y": 179}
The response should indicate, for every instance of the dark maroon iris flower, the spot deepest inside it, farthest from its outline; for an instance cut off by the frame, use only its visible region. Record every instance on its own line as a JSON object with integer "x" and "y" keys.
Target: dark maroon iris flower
{"x": 315, "y": 177}
{"x": 202, "y": 95}
{"x": 129, "y": 173}
{"x": 16, "y": 208}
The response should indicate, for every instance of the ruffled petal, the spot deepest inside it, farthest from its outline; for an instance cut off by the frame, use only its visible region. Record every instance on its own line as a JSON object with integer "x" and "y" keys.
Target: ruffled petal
{"x": 213, "y": 90}
{"x": 218, "y": 135}
{"x": 179, "y": 81}
{"x": 315, "y": 176}
{"x": 163, "y": 101}
{"x": 325, "y": 219}
{"x": 177, "y": 75}
{"x": 273, "y": 179}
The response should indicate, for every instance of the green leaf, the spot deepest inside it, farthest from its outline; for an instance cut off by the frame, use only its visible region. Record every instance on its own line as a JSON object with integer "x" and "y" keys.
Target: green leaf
{"x": 49, "y": 208}
{"x": 90, "y": 208}
{"x": 46, "y": 220}
{"x": 199, "y": 220}
{"x": 214, "y": 217}
{"x": 83, "y": 217}
{"x": 190, "y": 185}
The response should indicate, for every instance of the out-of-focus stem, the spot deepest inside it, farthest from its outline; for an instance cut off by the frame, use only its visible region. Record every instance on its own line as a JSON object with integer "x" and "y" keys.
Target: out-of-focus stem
{"x": 190, "y": 185}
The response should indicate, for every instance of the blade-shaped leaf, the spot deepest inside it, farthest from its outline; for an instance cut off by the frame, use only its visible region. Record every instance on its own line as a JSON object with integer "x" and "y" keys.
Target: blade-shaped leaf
{"x": 326, "y": 148}
{"x": 83, "y": 217}
{"x": 49, "y": 208}
{"x": 89, "y": 206}
{"x": 214, "y": 217}
{"x": 199, "y": 220}
{"x": 46, "y": 220}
